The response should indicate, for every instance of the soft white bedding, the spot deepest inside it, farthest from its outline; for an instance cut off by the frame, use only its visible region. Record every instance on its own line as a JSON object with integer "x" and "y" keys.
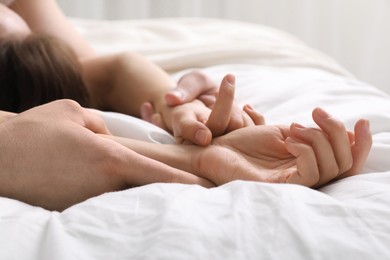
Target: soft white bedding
{"x": 281, "y": 77}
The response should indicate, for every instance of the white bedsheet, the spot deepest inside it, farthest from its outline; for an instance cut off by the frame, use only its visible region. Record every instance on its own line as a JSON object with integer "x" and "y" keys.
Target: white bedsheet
{"x": 348, "y": 219}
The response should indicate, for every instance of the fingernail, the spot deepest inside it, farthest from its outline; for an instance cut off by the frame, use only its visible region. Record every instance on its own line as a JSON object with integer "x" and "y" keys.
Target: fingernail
{"x": 249, "y": 107}
{"x": 291, "y": 140}
{"x": 366, "y": 126}
{"x": 201, "y": 136}
{"x": 231, "y": 79}
{"x": 322, "y": 113}
{"x": 298, "y": 126}
{"x": 177, "y": 93}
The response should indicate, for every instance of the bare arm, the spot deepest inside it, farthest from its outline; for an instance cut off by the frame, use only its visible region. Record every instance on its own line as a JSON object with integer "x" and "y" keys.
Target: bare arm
{"x": 122, "y": 82}
{"x": 4, "y": 115}
{"x": 294, "y": 154}
{"x": 51, "y": 157}
{"x": 45, "y": 16}
{"x": 279, "y": 154}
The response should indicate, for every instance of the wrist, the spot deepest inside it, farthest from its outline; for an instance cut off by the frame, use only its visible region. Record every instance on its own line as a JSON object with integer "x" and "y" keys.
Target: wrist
{"x": 203, "y": 162}
{"x": 215, "y": 162}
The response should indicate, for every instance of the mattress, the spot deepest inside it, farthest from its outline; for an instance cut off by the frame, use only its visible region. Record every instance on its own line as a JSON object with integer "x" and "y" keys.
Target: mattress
{"x": 282, "y": 78}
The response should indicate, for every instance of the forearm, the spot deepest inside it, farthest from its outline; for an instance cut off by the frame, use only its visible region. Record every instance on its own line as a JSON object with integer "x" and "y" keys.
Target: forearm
{"x": 45, "y": 16}
{"x": 122, "y": 82}
{"x": 181, "y": 157}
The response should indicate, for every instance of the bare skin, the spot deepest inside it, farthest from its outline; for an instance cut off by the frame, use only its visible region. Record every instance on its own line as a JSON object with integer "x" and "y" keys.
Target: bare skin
{"x": 124, "y": 82}
{"x": 278, "y": 154}
{"x": 294, "y": 154}
{"x": 54, "y": 158}
{"x": 60, "y": 154}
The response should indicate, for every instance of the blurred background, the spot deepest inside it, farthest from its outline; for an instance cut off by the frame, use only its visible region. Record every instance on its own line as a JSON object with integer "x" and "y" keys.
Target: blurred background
{"x": 354, "y": 32}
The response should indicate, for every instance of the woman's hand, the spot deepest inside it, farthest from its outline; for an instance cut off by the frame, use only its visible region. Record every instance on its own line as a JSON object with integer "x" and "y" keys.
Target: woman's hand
{"x": 280, "y": 154}
{"x": 194, "y": 113}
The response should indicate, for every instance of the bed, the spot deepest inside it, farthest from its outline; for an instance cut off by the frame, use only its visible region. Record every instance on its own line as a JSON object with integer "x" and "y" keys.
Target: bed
{"x": 281, "y": 77}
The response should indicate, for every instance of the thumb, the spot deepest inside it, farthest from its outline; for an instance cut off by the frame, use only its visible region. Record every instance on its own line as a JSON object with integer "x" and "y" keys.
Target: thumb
{"x": 190, "y": 86}
{"x": 147, "y": 111}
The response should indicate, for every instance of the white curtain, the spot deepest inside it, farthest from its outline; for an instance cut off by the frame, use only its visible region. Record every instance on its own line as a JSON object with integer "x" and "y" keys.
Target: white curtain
{"x": 354, "y": 32}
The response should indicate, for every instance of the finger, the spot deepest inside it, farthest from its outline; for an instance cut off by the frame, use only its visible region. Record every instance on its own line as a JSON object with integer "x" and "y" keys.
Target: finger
{"x": 157, "y": 120}
{"x": 351, "y": 137}
{"x": 256, "y": 117}
{"x": 247, "y": 120}
{"x": 208, "y": 100}
{"x": 220, "y": 115}
{"x": 361, "y": 147}
{"x": 237, "y": 119}
{"x": 89, "y": 118}
{"x": 306, "y": 173}
{"x": 323, "y": 151}
{"x": 176, "y": 97}
{"x": 186, "y": 126}
{"x": 338, "y": 137}
{"x": 189, "y": 87}
{"x": 94, "y": 121}
{"x": 147, "y": 111}
{"x": 148, "y": 114}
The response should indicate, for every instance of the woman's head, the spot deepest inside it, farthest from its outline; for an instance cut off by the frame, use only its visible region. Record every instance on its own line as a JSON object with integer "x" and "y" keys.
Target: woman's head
{"x": 38, "y": 69}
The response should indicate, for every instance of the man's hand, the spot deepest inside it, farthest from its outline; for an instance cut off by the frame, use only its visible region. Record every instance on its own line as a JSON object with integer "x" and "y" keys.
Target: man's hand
{"x": 51, "y": 156}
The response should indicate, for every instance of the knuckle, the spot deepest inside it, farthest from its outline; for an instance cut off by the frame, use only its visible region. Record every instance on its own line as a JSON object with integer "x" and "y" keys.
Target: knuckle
{"x": 313, "y": 178}
{"x": 236, "y": 121}
{"x": 176, "y": 116}
{"x": 338, "y": 126}
{"x": 260, "y": 119}
{"x": 334, "y": 171}
{"x": 316, "y": 133}
{"x": 70, "y": 105}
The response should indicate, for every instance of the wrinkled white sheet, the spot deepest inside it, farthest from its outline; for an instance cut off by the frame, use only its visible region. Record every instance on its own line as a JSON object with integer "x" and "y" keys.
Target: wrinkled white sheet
{"x": 348, "y": 219}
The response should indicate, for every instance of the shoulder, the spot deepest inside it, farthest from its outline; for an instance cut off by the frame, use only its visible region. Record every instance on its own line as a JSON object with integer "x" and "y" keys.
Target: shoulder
{"x": 6, "y": 2}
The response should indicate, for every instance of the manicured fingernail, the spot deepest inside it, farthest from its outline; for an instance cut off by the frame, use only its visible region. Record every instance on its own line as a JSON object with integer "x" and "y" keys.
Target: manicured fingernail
{"x": 201, "y": 136}
{"x": 322, "y": 113}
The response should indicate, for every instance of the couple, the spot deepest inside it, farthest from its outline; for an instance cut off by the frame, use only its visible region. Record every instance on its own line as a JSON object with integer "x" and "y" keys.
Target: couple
{"x": 58, "y": 154}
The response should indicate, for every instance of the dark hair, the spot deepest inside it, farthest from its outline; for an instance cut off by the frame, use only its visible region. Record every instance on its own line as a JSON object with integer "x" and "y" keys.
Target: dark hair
{"x": 36, "y": 70}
